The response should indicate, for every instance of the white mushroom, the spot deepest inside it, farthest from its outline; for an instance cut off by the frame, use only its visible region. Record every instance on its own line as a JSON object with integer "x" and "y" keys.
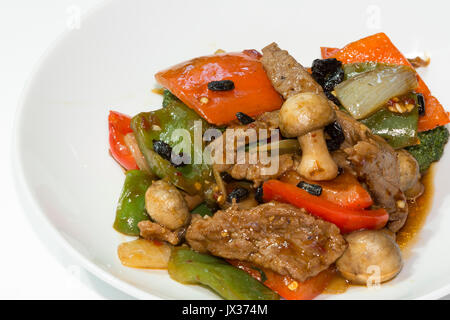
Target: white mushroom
{"x": 368, "y": 251}
{"x": 409, "y": 175}
{"x": 166, "y": 205}
{"x": 303, "y": 116}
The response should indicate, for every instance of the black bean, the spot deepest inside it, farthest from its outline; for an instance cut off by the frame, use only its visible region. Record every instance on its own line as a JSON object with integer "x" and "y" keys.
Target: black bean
{"x": 222, "y": 85}
{"x": 328, "y": 73}
{"x": 259, "y": 194}
{"x": 332, "y": 145}
{"x": 163, "y": 149}
{"x": 421, "y": 103}
{"x": 226, "y": 177}
{"x": 337, "y": 137}
{"x": 239, "y": 194}
{"x": 333, "y": 80}
{"x": 331, "y": 97}
{"x": 313, "y": 189}
{"x": 335, "y": 132}
{"x": 244, "y": 119}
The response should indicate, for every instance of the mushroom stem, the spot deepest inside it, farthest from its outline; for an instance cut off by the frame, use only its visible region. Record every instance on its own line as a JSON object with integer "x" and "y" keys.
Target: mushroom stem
{"x": 316, "y": 163}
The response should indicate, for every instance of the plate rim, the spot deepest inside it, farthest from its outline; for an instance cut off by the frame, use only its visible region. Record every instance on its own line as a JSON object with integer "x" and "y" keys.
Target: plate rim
{"x": 23, "y": 189}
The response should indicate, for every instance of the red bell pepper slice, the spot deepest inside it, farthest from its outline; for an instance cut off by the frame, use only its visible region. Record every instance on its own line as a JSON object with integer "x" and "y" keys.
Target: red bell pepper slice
{"x": 119, "y": 126}
{"x": 253, "y": 92}
{"x": 379, "y": 48}
{"x": 346, "y": 219}
{"x": 345, "y": 190}
{"x": 285, "y": 286}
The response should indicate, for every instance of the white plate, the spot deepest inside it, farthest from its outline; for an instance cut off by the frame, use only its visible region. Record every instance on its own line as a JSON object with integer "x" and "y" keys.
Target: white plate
{"x": 66, "y": 175}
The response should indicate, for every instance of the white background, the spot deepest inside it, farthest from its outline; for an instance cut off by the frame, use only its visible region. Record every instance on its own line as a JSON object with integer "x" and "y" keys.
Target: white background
{"x": 32, "y": 265}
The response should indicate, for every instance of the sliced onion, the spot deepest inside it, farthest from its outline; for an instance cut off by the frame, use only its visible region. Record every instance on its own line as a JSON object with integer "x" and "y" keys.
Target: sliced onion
{"x": 144, "y": 254}
{"x": 130, "y": 141}
{"x": 368, "y": 92}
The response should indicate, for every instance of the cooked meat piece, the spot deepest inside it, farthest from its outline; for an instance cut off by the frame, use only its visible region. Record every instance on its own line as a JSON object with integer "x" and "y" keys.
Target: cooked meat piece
{"x": 376, "y": 164}
{"x": 273, "y": 235}
{"x": 258, "y": 172}
{"x": 340, "y": 157}
{"x": 271, "y": 119}
{"x": 154, "y": 231}
{"x": 287, "y": 75}
{"x": 248, "y": 203}
{"x": 267, "y": 120}
{"x": 191, "y": 201}
{"x": 352, "y": 129}
{"x": 229, "y": 144}
{"x": 378, "y": 167}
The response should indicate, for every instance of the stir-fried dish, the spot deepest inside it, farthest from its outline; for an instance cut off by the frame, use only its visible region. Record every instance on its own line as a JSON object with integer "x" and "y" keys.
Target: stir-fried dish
{"x": 260, "y": 178}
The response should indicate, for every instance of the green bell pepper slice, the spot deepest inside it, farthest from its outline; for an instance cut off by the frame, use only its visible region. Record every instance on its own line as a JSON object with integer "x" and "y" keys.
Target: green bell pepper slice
{"x": 203, "y": 210}
{"x": 398, "y": 129}
{"x": 190, "y": 267}
{"x": 169, "y": 98}
{"x": 131, "y": 207}
{"x": 162, "y": 125}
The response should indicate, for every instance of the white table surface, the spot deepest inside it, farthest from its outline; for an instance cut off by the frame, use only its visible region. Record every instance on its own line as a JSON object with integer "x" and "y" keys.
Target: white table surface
{"x": 33, "y": 266}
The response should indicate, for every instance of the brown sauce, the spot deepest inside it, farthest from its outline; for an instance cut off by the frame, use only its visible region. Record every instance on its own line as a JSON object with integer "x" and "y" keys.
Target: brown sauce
{"x": 158, "y": 91}
{"x": 418, "y": 212}
{"x": 337, "y": 285}
{"x": 407, "y": 236}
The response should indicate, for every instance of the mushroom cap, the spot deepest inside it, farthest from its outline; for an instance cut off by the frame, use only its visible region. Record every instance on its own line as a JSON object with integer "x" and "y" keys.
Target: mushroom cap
{"x": 303, "y": 113}
{"x": 166, "y": 206}
{"x": 368, "y": 253}
{"x": 409, "y": 170}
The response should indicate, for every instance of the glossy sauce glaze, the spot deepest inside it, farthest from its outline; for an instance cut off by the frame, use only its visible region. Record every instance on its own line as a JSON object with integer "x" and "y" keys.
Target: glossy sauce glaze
{"x": 407, "y": 236}
{"x": 418, "y": 212}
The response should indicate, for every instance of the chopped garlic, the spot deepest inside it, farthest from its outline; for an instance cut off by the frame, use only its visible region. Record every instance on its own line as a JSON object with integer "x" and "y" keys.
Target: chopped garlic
{"x": 204, "y": 100}
{"x": 401, "y": 204}
{"x": 293, "y": 285}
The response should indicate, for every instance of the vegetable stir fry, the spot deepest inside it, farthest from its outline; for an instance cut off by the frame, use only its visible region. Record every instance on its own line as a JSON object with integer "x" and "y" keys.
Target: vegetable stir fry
{"x": 262, "y": 179}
